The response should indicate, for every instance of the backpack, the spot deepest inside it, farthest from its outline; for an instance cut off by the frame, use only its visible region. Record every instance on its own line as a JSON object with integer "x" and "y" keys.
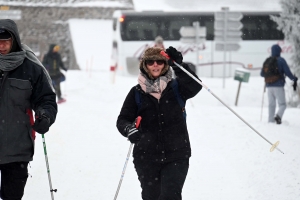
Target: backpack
{"x": 174, "y": 85}
{"x": 271, "y": 71}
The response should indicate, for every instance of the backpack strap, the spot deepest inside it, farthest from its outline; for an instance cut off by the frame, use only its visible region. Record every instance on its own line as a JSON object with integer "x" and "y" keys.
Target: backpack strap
{"x": 181, "y": 102}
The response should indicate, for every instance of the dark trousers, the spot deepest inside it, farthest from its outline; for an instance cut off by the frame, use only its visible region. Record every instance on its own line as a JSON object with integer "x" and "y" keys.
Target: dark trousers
{"x": 162, "y": 181}
{"x": 13, "y": 180}
{"x": 56, "y": 85}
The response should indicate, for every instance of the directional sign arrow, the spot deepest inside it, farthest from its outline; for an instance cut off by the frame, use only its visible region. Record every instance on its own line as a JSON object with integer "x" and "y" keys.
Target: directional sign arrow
{"x": 228, "y": 38}
{"x": 191, "y": 40}
{"x": 230, "y": 15}
{"x": 228, "y": 33}
{"x": 231, "y": 25}
{"x": 229, "y": 46}
{"x": 189, "y": 31}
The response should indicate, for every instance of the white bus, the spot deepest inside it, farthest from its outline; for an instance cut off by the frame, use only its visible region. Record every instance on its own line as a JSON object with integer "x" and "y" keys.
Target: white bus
{"x": 134, "y": 31}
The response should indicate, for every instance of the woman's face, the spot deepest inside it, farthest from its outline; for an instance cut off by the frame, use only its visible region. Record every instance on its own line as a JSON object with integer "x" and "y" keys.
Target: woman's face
{"x": 155, "y": 67}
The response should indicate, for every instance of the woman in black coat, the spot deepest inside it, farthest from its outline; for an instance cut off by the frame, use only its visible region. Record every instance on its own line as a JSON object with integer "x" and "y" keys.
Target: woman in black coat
{"x": 53, "y": 63}
{"x": 162, "y": 147}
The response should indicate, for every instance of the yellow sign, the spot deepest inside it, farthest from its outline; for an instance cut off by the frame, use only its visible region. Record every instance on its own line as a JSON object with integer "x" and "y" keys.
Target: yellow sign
{"x": 4, "y": 8}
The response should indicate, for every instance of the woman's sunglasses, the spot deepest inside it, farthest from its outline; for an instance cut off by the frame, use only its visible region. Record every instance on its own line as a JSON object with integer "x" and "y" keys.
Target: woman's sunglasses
{"x": 151, "y": 62}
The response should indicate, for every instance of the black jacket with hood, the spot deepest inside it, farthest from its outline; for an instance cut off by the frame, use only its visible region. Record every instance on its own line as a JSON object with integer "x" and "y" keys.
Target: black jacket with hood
{"x": 25, "y": 88}
{"x": 163, "y": 127}
{"x": 53, "y": 63}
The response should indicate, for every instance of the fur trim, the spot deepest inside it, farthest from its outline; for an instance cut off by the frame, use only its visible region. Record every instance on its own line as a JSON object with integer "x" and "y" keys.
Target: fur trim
{"x": 153, "y": 53}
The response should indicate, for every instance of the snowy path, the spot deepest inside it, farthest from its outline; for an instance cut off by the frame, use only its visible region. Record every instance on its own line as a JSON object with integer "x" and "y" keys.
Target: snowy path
{"x": 87, "y": 154}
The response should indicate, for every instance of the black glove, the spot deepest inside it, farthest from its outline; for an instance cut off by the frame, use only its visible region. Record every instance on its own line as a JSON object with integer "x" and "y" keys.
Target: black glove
{"x": 64, "y": 68}
{"x": 174, "y": 56}
{"x": 132, "y": 133}
{"x": 42, "y": 122}
{"x": 295, "y": 83}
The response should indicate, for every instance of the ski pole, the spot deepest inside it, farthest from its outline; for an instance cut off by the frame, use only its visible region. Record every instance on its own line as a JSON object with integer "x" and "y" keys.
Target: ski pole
{"x": 48, "y": 168}
{"x": 31, "y": 119}
{"x": 137, "y": 123}
{"x": 262, "y": 103}
{"x": 273, "y": 146}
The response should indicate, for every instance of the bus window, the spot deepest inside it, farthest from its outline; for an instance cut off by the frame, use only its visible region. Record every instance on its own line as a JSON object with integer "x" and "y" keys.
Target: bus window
{"x": 175, "y": 26}
{"x": 208, "y": 22}
{"x": 138, "y": 29}
{"x": 260, "y": 27}
{"x": 141, "y": 28}
{"x": 146, "y": 28}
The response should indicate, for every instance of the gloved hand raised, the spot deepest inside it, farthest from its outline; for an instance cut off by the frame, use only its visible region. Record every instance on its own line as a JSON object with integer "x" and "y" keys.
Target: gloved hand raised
{"x": 42, "y": 122}
{"x": 132, "y": 132}
{"x": 174, "y": 56}
{"x": 295, "y": 83}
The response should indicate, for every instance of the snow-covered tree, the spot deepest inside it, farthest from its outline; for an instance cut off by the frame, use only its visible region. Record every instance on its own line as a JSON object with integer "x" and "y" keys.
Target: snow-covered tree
{"x": 289, "y": 23}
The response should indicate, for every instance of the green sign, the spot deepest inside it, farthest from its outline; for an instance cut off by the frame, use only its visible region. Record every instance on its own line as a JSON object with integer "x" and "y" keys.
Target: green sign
{"x": 241, "y": 75}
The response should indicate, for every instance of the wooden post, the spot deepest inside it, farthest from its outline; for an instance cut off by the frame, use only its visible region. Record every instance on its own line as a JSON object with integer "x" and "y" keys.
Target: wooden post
{"x": 238, "y": 92}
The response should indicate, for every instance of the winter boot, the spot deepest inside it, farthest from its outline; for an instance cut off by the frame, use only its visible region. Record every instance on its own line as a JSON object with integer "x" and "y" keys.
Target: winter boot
{"x": 277, "y": 119}
{"x": 61, "y": 100}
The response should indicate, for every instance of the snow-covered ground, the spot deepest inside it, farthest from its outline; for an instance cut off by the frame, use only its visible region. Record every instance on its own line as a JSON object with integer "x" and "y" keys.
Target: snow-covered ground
{"x": 229, "y": 160}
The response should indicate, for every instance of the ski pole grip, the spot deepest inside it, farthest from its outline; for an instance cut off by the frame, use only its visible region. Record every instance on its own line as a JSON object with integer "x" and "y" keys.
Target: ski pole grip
{"x": 165, "y": 54}
{"x": 138, "y": 121}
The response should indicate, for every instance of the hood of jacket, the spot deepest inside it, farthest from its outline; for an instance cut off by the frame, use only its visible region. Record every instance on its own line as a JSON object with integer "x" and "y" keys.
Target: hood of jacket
{"x": 11, "y": 26}
{"x": 51, "y": 46}
{"x": 276, "y": 50}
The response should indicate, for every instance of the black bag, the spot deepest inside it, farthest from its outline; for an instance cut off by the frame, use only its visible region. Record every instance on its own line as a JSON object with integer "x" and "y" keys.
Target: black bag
{"x": 271, "y": 71}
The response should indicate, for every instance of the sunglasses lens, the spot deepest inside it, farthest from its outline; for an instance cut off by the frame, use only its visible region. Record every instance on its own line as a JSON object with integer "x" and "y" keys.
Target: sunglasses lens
{"x": 160, "y": 62}
{"x": 151, "y": 62}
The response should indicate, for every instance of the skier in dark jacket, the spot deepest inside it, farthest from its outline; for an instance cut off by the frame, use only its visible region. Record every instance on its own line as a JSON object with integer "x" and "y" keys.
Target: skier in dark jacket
{"x": 24, "y": 86}
{"x": 53, "y": 63}
{"x": 276, "y": 89}
{"x": 162, "y": 147}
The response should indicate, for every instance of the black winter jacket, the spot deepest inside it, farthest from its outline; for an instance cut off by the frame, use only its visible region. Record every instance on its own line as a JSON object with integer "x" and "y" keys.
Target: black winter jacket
{"x": 25, "y": 88}
{"x": 53, "y": 63}
{"x": 163, "y": 127}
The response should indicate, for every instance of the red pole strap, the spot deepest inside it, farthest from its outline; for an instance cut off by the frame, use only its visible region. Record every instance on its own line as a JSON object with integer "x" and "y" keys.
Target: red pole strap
{"x": 29, "y": 113}
{"x": 138, "y": 121}
{"x": 165, "y": 54}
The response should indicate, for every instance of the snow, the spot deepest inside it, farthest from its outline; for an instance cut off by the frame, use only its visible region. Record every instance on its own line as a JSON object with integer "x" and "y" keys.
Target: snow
{"x": 92, "y": 48}
{"x": 229, "y": 160}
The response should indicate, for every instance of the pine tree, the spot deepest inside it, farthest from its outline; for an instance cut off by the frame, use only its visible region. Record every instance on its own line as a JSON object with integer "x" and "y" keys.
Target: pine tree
{"x": 289, "y": 23}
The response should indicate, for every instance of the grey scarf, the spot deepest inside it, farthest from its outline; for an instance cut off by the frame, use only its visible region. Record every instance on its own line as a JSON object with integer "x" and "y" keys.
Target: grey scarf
{"x": 154, "y": 87}
{"x": 11, "y": 61}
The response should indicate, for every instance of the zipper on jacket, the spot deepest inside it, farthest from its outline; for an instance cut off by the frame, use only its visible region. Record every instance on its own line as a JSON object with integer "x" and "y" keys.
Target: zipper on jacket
{"x": 160, "y": 135}
{"x": 4, "y": 76}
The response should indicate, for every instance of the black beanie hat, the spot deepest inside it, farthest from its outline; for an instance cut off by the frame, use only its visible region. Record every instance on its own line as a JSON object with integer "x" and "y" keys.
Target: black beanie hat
{"x": 4, "y": 34}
